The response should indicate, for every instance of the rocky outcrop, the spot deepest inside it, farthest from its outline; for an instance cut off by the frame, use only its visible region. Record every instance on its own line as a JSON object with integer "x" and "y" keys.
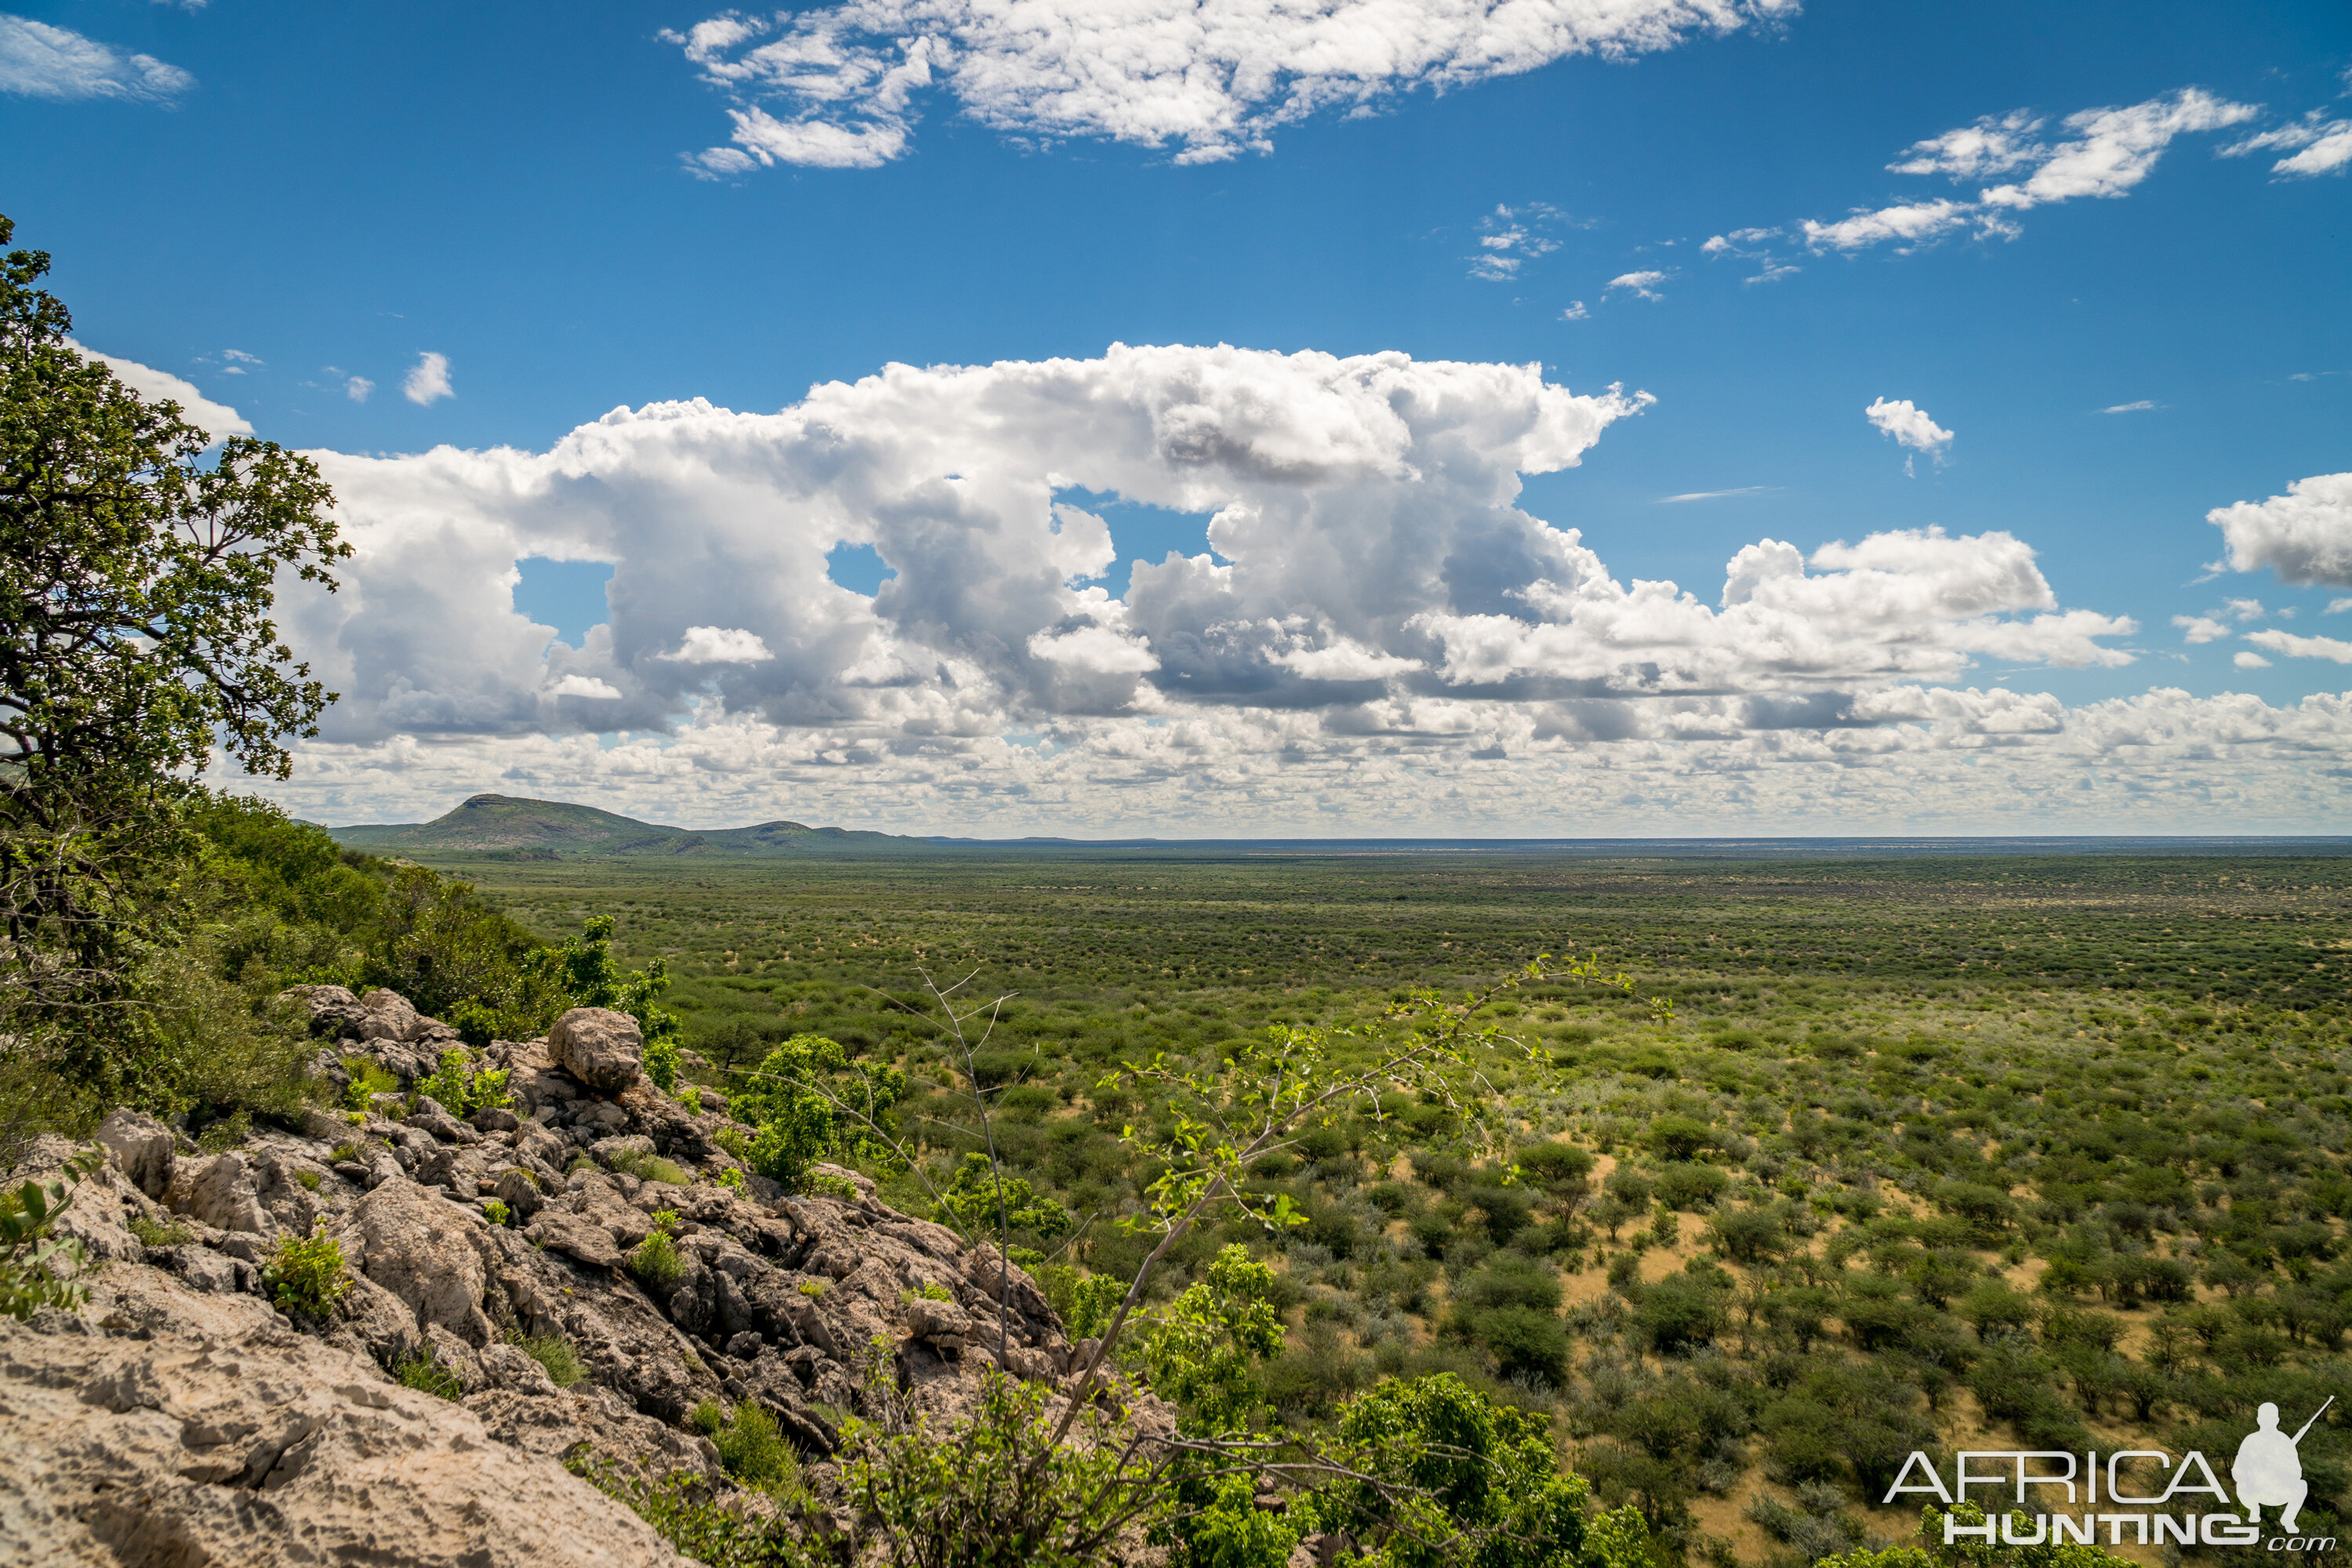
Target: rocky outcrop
{"x": 142, "y": 1149}
{"x": 498, "y": 1246}
{"x": 168, "y": 1425}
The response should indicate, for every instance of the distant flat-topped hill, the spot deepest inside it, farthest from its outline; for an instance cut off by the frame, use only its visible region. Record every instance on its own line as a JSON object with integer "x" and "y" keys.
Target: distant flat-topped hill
{"x": 549, "y": 829}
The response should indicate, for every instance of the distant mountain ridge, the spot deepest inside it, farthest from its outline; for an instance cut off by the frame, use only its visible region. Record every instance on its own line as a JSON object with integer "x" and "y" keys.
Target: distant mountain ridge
{"x": 551, "y": 829}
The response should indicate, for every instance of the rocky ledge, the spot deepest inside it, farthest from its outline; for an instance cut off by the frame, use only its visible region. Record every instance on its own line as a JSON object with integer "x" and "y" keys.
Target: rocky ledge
{"x": 180, "y": 1418}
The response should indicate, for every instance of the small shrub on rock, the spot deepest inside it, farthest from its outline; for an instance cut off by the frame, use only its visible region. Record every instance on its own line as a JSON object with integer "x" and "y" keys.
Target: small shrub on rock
{"x": 750, "y": 1446}
{"x": 554, "y": 1352}
{"x": 462, "y": 1088}
{"x": 160, "y": 1232}
{"x": 368, "y": 1081}
{"x": 307, "y": 1275}
{"x": 655, "y": 1261}
{"x": 426, "y": 1373}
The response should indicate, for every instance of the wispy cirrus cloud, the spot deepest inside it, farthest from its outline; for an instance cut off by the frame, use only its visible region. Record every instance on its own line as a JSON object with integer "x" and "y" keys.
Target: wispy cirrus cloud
{"x": 839, "y": 86}
{"x": 2097, "y": 153}
{"x": 39, "y": 60}
{"x": 1716, "y": 495}
{"x": 1643, "y": 285}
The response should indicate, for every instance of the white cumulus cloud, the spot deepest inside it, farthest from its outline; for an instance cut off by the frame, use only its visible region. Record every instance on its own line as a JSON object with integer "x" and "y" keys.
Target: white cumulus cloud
{"x": 1910, "y": 424}
{"x": 583, "y": 686}
{"x": 1372, "y": 585}
{"x": 427, "y": 380}
{"x": 2305, "y": 535}
{"x": 838, "y": 86}
{"x": 38, "y": 60}
{"x": 215, "y": 420}
{"x": 1645, "y": 284}
{"x": 2201, "y": 628}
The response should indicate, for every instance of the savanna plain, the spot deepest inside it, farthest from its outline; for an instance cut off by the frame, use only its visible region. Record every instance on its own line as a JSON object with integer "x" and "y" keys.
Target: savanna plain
{"x": 1876, "y": 1153}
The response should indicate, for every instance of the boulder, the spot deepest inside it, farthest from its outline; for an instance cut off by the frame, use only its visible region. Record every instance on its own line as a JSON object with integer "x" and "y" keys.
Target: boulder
{"x": 417, "y": 1246}
{"x": 334, "y": 1012}
{"x": 222, "y": 1193}
{"x": 519, "y": 1194}
{"x": 222, "y": 1438}
{"x": 387, "y": 1016}
{"x": 601, "y": 1049}
{"x": 141, "y": 1148}
{"x": 560, "y": 1230}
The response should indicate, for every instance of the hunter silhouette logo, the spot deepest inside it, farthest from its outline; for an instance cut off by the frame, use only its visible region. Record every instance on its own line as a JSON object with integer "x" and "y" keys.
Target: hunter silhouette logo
{"x": 2268, "y": 1470}
{"x": 2047, "y": 1487}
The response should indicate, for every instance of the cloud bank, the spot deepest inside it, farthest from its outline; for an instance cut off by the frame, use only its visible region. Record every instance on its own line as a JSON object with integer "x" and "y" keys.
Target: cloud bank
{"x": 1375, "y": 636}
{"x": 837, "y": 87}
{"x": 1366, "y": 564}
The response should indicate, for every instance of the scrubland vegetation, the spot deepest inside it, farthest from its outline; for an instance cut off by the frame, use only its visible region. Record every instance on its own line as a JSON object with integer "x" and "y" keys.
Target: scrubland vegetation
{"x": 1933, "y": 1153}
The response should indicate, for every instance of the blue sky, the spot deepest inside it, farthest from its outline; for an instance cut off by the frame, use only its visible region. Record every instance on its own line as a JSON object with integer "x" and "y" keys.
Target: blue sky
{"x": 529, "y": 194}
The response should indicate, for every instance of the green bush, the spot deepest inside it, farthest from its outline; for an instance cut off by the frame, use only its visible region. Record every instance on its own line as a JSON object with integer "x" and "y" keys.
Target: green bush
{"x": 1469, "y": 1479}
{"x": 305, "y": 1275}
{"x": 973, "y": 1199}
{"x": 655, "y": 1261}
{"x": 424, "y": 1373}
{"x": 1690, "y": 1187}
{"x": 797, "y": 1125}
{"x": 461, "y": 1089}
{"x": 750, "y": 1448}
{"x": 554, "y": 1352}
{"x": 369, "y": 1078}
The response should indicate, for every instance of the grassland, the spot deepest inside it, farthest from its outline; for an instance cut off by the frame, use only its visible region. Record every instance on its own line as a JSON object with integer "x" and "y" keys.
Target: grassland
{"x": 1937, "y": 1153}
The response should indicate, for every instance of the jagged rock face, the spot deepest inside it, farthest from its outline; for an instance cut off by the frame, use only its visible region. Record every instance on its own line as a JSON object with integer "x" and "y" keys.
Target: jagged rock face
{"x": 780, "y": 1301}
{"x": 191, "y": 1428}
{"x": 141, "y": 1148}
{"x": 601, "y": 1049}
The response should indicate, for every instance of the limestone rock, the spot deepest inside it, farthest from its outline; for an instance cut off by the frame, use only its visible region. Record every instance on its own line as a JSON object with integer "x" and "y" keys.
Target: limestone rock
{"x": 560, "y": 1230}
{"x": 519, "y": 1194}
{"x": 334, "y": 1011}
{"x": 141, "y": 1148}
{"x": 415, "y": 1245}
{"x": 221, "y": 1192}
{"x": 223, "y": 1437}
{"x": 601, "y": 1049}
{"x": 387, "y": 1016}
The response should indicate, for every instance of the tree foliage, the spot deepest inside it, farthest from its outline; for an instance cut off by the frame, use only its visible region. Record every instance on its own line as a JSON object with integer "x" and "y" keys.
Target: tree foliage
{"x": 139, "y": 562}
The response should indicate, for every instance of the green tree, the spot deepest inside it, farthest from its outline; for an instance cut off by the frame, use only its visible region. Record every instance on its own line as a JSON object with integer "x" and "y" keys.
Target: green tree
{"x": 584, "y": 971}
{"x": 980, "y": 1203}
{"x": 807, "y": 1099}
{"x": 1449, "y": 1475}
{"x": 137, "y": 563}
